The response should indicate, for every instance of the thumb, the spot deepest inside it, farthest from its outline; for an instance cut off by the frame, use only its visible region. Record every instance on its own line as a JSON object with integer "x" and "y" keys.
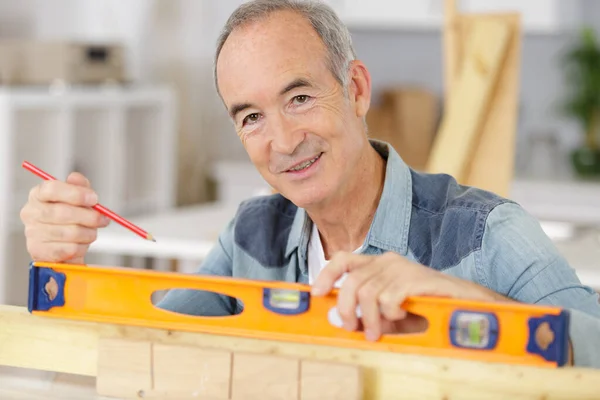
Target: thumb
{"x": 75, "y": 178}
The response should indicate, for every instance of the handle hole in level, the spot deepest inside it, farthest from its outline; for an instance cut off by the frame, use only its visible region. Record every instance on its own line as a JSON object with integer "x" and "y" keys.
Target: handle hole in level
{"x": 411, "y": 324}
{"x": 197, "y": 302}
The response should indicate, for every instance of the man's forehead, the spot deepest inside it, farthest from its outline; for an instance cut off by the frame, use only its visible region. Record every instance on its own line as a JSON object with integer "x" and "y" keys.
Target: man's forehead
{"x": 277, "y": 29}
{"x": 264, "y": 51}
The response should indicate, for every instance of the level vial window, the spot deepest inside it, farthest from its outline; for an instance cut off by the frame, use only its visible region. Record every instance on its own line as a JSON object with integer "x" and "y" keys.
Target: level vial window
{"x": 285, "y": 298}
{"x": 474, "y": 330}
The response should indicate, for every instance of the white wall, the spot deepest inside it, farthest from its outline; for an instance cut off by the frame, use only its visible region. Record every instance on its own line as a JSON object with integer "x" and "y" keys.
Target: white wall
{"x": 166, "y": 40}
{"x": 173, "y": 41}
{"x": 181, "y": 51}
{"x": 16, "y": 18}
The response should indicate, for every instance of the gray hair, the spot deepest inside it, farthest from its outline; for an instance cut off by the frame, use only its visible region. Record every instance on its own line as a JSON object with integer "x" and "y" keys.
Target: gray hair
{"x": 333, "y": 33}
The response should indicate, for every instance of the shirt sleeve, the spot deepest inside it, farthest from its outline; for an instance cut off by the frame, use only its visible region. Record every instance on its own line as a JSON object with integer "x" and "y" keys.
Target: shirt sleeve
{"x": 205, "y": 303}
{"x": 520, "y": 261}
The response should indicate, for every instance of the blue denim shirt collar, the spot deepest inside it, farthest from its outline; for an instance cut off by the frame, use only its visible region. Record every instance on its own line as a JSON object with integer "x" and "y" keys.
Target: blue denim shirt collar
{"x": 390, "y": 226}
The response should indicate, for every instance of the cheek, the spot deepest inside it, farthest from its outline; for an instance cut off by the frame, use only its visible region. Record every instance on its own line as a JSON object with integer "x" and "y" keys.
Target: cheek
{"x": 258, "y": 151}
{"x": 328, "y": 121}
{"x": 338, "y": 113}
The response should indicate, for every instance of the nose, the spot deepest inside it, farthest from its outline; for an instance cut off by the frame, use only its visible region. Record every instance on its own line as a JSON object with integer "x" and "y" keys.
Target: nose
{"x": 285, "y": 137}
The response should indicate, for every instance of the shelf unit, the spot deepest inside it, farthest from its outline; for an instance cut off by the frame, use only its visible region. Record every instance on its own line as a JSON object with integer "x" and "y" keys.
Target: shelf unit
{"x": 123, "y": 138}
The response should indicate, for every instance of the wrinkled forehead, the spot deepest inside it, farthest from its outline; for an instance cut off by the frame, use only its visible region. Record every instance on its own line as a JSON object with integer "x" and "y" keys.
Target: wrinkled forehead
{"x": 259, "y": 57}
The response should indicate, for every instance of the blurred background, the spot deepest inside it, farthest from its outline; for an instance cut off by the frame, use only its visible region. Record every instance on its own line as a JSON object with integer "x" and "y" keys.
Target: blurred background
{"x": 123, "y": 92}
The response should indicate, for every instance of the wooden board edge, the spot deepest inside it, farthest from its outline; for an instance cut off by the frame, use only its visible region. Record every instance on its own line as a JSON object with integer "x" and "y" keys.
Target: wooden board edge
{"x": 71, "y": 347}
{"x": 468, "y": 105}
{"x": 492, "y": 164}
{"x": 451, "y": 47}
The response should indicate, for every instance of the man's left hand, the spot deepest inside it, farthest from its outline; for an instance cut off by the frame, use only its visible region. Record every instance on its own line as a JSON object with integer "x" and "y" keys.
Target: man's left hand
{"x": 379, "y": 284}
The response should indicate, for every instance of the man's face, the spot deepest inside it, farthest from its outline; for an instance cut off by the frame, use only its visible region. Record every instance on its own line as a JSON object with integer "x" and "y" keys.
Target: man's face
{"x": 300, "y": 130}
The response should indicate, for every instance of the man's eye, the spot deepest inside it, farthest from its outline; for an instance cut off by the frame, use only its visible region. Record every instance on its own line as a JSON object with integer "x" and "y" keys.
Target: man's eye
{"x": 301, "y": 99}
{"x": 251, "y": 118}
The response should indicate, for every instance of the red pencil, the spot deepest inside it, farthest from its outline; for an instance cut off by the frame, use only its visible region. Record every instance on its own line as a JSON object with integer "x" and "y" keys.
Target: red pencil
{"x": 101, "y": 209}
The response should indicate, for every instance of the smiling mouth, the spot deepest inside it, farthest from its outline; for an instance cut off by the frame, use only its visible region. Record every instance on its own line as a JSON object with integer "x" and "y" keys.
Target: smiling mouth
{"x": 305, "y": 164}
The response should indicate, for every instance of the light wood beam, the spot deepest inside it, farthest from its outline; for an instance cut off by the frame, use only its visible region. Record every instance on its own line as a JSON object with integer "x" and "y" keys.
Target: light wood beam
{"x": 68, "y": 346}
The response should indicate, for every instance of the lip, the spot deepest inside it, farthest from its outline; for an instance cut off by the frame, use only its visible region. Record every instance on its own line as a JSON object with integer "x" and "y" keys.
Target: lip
{"x": 301, "y": 162}
{"x": 307, "y": 171}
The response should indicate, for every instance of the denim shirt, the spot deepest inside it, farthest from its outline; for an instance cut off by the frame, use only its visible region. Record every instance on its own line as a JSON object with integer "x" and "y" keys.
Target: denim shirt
{"x": 428, "y": 218}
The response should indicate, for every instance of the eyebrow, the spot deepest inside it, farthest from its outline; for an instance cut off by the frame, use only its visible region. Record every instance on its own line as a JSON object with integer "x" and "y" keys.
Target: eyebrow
{"x": 237, "y": 108}
{"x": 296, "y": 83}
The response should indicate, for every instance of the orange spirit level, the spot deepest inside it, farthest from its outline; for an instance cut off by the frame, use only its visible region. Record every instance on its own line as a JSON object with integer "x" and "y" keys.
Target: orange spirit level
{"x": 486, "y": 331}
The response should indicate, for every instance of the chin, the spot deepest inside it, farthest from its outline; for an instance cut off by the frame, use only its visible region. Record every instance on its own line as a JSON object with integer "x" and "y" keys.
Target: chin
{"x": 306, "y": 197}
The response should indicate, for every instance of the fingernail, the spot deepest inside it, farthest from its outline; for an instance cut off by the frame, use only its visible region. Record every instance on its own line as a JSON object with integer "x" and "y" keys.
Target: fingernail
{"x": 371, "y": 335}
{"x": 317, "y": 291}
{"x": 91, "y": 199}
{"x": 105, "y": 220}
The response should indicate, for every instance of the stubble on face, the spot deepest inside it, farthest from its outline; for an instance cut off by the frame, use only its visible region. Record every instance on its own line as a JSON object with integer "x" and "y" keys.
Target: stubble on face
{"x": 256, "y": 63}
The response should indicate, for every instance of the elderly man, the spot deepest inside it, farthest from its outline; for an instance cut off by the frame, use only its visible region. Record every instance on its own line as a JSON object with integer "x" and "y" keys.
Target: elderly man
{"x": 348, "y": 212}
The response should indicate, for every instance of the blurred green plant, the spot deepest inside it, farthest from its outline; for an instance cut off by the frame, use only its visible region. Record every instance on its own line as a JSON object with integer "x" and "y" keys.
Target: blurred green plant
{"x": 581, "y": 64}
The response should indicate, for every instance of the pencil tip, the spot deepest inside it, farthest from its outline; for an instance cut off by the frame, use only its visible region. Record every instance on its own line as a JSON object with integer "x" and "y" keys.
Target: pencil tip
{"x": 150, "y": 237}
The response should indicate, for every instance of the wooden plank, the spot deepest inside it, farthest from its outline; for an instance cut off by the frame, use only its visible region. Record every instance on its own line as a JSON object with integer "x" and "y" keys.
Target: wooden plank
{"x": 452, "y": 47}
{"x": 124, "y": 368}
{"x": 265, "y": 377}
{"x": 60, "y": 346}
{"x": 190, "y": 372}
{"x": 140, "y": 368}
{"x": 492, "y": 164}
{"x": 23, "y": 337}
{"x": 330, "y": 381}
{"x": 469, "y": 100}
{"x": 36, "y": 394}
{"x": 18, "y": 383}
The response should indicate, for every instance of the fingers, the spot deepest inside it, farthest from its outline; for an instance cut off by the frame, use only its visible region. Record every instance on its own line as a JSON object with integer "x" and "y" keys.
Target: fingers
{"x": 369, "y": 305}
{"x": 63, "y": 192}
{"x": 379, "y": 285}
{"x": 375, "y": 285}
{"x": 56, "y": 252}
{"x": 59, "y": 220}
{"x": 63, "y": 214}
{"x": 364, "y": 287}
{"x": 371, "y": 297}
{"x": 75, "y": 178}
{"x": 390, "y": 301}
{"x": 340, "y": 264}
{"x": 60, "y": 233}
{"x": 358, "y": 288}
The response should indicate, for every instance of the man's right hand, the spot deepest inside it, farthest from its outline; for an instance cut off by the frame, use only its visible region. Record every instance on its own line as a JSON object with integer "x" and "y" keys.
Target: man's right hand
{"x": 60, "y": 223}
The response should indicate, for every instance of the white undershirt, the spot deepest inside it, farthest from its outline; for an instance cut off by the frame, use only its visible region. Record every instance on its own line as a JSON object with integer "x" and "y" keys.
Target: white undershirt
{"x": 316, "y": 257}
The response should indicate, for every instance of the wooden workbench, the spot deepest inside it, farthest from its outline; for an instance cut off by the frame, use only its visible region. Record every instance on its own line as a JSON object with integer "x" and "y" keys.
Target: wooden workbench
{"x": 29, "y": 384}
{"x": 72, "y": 347}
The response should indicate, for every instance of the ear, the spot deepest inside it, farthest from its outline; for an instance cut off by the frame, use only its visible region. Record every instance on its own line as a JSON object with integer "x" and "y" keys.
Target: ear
{"x": 359, "y": 88}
